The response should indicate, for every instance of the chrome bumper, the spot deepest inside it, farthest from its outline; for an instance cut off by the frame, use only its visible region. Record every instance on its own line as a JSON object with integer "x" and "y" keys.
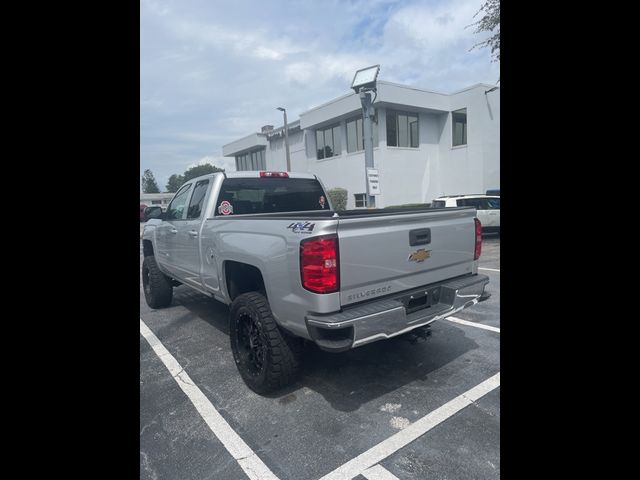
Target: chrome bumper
{"x": 395, "y": 315}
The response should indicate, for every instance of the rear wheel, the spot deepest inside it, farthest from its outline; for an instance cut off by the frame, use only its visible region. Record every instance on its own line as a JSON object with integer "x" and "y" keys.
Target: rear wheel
{"x": 267, "y": 357}
{"x": 158, "y": 291}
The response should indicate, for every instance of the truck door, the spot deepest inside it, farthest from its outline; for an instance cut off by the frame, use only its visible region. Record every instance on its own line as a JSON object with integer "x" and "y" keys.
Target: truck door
{"x": 188, "y": 251}
{"x": 167, "y": 232}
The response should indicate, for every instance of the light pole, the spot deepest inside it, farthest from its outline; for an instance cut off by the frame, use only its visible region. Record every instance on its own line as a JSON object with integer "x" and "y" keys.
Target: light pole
{"x": 363, "y": 83}
{"x": 286, "y": 137}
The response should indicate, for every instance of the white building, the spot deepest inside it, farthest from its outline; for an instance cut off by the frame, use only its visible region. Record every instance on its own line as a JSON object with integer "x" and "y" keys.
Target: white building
{"x": 426, "y": 144}
{"x": 161, "y": 199}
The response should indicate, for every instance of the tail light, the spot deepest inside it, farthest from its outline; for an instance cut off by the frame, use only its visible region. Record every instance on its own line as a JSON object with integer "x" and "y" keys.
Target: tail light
{"x": 478, "y": 249}
{"x": 274, "y": 175}
{"x": 319, "y": 264}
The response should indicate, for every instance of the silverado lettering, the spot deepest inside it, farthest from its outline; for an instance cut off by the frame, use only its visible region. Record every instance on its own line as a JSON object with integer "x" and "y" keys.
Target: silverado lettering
{"x": 368, "y": 293}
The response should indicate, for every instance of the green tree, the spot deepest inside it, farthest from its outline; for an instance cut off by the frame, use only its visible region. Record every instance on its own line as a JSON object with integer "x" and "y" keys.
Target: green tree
{"x": 174, "y": 183}
{"x": 149, "y": 184}
{"x": 489, "y": 23}
{"x": 198, "y": 170}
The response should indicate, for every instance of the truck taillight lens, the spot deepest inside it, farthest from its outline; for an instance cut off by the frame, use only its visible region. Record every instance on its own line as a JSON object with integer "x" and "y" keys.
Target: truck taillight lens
{"x": 319, "y": 264}
{"x": 478, "y": 250}
{"x": 274, "y": 175}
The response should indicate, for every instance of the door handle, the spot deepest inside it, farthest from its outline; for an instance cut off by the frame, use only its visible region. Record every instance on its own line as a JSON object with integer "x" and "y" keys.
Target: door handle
{"x": 173, "y": 230}
{"x": 193, "y": 233}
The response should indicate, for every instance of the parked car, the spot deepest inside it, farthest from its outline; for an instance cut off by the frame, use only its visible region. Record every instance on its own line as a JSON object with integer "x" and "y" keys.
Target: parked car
{"x": 487, "y": 207}
{"x": 495, "y": 192}
{"x": 142, "y": 207}
{"x": 291, "y": 268}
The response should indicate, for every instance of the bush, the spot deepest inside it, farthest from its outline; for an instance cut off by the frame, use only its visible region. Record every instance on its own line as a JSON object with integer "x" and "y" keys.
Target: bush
{"x": 338, "y": 197}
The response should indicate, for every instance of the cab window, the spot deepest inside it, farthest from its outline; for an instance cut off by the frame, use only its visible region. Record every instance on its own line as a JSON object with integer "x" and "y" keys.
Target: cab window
{"x": 197, "y": 199}
{"x": 176, "y": 209}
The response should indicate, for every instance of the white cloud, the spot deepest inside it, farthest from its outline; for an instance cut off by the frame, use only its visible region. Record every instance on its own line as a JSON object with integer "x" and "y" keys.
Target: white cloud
{"x": 212, "y": 72}
{"x": 220, "y": 162}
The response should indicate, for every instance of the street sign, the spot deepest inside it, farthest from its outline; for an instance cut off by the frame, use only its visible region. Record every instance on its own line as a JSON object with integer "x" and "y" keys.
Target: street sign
{"x": 373, "y": 181}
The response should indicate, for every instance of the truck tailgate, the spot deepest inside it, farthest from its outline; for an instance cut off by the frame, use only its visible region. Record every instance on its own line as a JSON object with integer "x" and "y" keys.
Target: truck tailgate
{"x": 377, "y": 257}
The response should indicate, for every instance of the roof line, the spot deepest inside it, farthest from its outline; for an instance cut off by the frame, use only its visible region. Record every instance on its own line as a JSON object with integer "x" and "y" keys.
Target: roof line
{"x": 408, "y": 87}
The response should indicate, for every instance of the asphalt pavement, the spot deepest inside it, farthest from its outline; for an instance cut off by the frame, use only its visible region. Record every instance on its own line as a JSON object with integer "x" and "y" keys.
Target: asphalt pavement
{"x": 409, "y": 408}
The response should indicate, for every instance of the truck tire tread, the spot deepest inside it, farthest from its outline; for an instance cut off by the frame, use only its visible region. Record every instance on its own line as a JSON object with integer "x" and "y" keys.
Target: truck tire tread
{"x": 160, "y": 293}
{"x": 284, "y": 351}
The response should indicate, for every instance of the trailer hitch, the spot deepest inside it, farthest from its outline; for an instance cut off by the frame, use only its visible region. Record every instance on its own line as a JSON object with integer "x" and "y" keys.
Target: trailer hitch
{"x": 419, "y": 334}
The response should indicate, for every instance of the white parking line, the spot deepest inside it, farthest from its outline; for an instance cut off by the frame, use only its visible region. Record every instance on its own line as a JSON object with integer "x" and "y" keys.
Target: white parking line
{"x": 387, "y": 447}
{"x": 473, "y": 324}
{"x": 246, "y": 458}
{"x": 378, "y": 472}
{"x": 490, "y": 269}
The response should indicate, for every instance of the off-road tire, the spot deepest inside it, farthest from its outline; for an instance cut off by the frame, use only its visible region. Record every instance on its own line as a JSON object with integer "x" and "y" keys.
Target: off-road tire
{"x": 158, "y": 291}
{"x": 280, "y": 352}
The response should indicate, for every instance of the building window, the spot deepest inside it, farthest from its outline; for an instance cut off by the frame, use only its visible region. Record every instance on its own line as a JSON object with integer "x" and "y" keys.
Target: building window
{"x": 459, "y": 122}
{"x": 402, "y": 129}
{"x": 328, "y": 142}
{"x": 355, "y": 136}
{"x": 361, "y": 200}
{"x": 251, "y": 161}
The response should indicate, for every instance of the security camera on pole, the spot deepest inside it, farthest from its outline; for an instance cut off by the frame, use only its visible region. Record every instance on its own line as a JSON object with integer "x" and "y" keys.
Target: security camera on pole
{"x": 363, "y": 83}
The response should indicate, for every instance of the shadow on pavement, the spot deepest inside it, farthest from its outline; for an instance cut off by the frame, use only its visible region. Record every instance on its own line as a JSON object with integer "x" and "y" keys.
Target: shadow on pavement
{"x": 350, "y": 379}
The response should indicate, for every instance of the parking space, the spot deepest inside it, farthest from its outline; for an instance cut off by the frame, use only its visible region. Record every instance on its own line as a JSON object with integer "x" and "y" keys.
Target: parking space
{"x": 409, "y": 408}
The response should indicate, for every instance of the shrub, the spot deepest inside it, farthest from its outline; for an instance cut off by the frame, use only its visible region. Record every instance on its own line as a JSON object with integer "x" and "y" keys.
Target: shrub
{"x": 338, "y": 198}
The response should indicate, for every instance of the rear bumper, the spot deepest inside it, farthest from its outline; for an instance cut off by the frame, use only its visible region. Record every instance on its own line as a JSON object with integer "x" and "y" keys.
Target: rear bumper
{"x": 392, "y": 316}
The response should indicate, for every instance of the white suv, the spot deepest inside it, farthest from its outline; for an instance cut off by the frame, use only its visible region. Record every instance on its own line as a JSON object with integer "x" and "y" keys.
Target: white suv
{"x": 487, "y": 206}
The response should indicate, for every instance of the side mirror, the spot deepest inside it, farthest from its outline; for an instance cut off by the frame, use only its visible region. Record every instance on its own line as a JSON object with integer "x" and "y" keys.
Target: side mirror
{"x": 153, "y": 212}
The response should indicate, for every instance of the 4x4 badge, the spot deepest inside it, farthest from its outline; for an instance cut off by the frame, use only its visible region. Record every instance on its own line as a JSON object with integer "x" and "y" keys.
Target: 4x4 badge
{"x": 302, "y": 227}
{"x": 419, "y": 255}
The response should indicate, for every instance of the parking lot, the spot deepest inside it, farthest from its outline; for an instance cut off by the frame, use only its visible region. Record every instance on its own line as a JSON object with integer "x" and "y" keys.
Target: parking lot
{"x": 390, "y": 409}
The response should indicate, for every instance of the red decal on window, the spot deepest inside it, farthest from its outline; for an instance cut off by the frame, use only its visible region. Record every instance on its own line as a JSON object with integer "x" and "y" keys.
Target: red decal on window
{"x": 225, "y": 208}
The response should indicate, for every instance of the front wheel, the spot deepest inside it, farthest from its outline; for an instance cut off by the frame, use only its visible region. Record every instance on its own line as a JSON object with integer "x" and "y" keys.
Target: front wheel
{"x": 267, "y": 357}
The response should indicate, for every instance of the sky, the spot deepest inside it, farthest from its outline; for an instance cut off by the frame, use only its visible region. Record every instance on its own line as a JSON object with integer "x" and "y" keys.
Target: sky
{"x": 212, "y": 72}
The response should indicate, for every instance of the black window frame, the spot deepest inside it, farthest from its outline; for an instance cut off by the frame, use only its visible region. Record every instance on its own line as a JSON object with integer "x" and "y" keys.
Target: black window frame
{"x": 246, "y": 161}
{"x": 321, "y": 154}
{"x": 465, "y": 127}
{"x": 363, "y": 200}
{"x": 360, "y": 133}
{"x": 393, "y": 125}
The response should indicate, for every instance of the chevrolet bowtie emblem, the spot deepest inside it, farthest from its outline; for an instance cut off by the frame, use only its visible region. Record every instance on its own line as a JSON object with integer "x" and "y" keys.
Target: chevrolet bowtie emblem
{"x": 419, "y": 255}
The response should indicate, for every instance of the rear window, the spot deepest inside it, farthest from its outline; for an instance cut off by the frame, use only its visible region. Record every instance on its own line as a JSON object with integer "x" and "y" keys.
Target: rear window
{"x": 240, "y": 196}
{"x": 437, "y": 204}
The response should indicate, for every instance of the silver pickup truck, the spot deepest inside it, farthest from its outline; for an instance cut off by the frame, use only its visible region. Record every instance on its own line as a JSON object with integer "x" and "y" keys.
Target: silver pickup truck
{"x": 292, "y": 269}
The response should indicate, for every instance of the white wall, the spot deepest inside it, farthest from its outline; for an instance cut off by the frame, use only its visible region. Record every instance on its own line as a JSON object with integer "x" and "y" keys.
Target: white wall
{"x": 407, "y": 175}
{"x": 476, "y": 167}
{"x": 276, "y": 156}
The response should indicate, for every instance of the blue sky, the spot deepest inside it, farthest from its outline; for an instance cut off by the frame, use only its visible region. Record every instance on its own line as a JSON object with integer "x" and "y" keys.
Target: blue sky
{"x": 214, "y": 71}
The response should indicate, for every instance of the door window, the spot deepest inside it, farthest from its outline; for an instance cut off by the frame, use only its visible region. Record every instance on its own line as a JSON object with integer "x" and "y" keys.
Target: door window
{"x": 175, "y": 210}
{"x": 197, "y": 199}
